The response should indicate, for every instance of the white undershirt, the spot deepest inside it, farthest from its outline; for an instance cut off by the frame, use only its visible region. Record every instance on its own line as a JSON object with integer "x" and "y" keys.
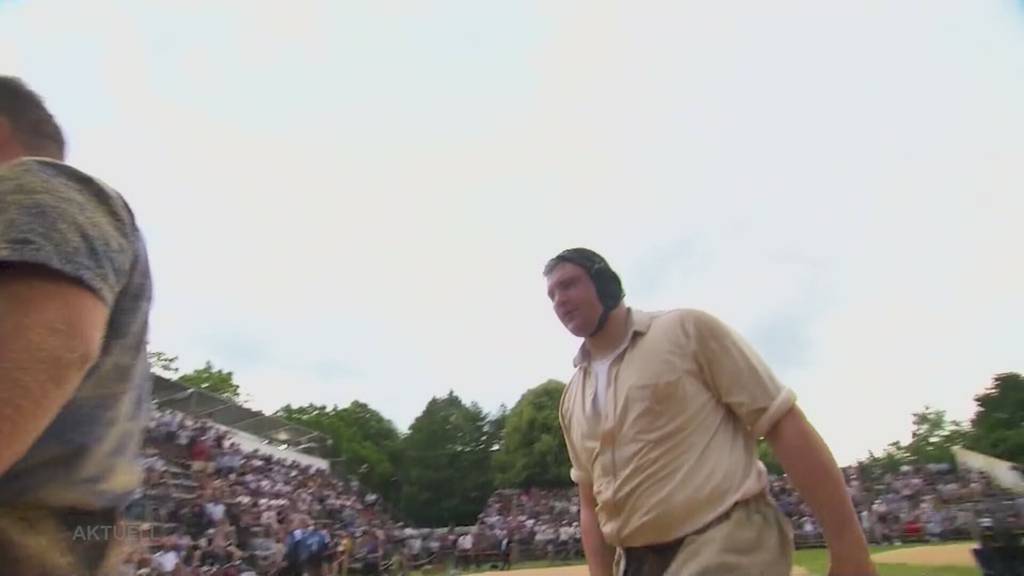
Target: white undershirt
{"x": 600, "y": 368}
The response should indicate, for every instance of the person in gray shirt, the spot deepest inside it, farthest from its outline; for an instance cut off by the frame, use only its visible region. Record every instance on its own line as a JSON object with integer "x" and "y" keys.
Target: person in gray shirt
{"x": 75, "y": 291}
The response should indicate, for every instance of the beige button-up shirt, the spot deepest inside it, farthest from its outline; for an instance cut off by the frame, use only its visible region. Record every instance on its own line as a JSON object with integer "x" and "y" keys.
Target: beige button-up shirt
{"x": 676, "y": 444}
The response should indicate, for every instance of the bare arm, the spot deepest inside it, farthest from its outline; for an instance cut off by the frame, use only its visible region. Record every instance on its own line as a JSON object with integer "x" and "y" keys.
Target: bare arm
{"x": 813, "y": 471}
{"x": 51, "y": 332}
{"x": 599, "y": 554}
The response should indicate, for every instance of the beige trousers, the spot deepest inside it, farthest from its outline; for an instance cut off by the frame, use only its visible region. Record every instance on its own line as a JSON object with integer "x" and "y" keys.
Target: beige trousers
{"x": 753, "y": 538}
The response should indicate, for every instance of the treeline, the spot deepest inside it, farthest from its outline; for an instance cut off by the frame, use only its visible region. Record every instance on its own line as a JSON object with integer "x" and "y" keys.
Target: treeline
{"x": 455, "y": 454}
{"x": 996, "y": 429}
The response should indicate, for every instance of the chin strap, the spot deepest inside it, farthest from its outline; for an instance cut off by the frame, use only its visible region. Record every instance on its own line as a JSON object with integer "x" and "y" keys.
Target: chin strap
{"x": 601, "y": 321}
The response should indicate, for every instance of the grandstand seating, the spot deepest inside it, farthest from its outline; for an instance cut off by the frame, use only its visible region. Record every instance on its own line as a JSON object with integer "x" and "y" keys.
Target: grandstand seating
{"x": 262, "y": 498}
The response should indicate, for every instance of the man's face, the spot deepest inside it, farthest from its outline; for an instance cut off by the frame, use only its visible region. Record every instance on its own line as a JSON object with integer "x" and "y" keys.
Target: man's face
{"x": 574, "y": 299}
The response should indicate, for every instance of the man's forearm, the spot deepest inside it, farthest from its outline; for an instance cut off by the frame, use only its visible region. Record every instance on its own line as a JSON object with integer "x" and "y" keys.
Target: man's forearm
{"x": 814, "y": 473}
{"x": 599, "y": 554}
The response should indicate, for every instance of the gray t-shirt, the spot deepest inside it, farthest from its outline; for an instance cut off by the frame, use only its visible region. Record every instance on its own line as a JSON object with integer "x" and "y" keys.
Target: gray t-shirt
{"x": 56, "y": 216}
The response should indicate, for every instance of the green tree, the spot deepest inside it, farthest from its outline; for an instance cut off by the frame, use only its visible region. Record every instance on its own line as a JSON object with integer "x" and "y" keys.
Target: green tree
{"x": 163, "y": 364}
{"x": 933, "y": 438}
{"x": 212, "y": 380}
{"x": 876, "y": 466}
{"x": 364, "y": 444}
{"x": 764, "y": 452}
{"x": 997, "y": 428}
{"x": 533, "y": 452}
{"x": 445, "y": 473}
{"x": 931, "y": 442}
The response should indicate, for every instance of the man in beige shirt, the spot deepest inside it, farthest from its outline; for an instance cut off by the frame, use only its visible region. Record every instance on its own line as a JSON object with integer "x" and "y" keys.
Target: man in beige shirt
{"x": 661, "y": 421}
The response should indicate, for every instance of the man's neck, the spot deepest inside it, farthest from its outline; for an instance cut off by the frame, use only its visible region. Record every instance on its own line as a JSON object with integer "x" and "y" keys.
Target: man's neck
{"x": 611, "y": 336}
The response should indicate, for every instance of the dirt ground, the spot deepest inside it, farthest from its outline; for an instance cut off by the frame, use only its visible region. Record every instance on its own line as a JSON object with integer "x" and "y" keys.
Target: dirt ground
{"x": 948, "y": 555}
{"x": 578, "y": 571}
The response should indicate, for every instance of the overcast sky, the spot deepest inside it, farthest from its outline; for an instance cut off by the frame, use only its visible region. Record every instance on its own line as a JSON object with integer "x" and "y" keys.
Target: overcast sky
{"x": 354, "y": 200}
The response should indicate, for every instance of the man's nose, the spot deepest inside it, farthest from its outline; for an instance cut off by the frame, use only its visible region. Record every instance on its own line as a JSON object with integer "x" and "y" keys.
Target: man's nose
{"x": 559, "y": 300}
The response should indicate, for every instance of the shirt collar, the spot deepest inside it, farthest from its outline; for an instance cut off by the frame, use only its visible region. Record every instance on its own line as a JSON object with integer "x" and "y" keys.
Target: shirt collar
{"x": 637, "y": 322}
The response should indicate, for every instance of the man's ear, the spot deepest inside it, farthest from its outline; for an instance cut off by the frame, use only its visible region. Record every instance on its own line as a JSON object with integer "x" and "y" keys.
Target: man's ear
{"x": 6, "y": 131}
{"x": 9, "y": 146}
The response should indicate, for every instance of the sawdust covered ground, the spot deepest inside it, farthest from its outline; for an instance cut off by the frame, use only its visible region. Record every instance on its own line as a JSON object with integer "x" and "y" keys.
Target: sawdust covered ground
{"x": 948, "y": 555}
{"x": 576, "y": 571}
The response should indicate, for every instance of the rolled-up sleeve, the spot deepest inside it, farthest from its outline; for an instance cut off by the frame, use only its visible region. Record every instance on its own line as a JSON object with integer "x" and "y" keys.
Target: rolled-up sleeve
{"x": 739, "y": 377}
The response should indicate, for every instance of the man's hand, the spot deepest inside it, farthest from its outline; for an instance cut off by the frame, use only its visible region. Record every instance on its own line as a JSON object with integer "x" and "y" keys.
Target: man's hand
{"x": 599, "y": 555}
{"x": 51, "y": 333}
{"x": 813, "y": 471}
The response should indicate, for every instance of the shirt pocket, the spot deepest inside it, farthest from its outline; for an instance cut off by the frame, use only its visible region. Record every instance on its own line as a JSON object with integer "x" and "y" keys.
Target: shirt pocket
{"x": 652, "y": 394}
{"x": 652, "y": 384}
{"x": 648, "y": 406}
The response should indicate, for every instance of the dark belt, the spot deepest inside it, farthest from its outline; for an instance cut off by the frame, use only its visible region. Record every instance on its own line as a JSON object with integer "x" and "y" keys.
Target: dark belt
{"x": 651, "y": 560}
{"x": 655, "y": 559}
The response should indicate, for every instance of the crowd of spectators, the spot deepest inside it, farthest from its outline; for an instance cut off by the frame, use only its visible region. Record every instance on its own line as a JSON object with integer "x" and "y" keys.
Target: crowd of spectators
{"x": 929, "y": 503}
{"x": 208, "y": 507}
{"x": 534, "y": 524}
{"x": 933, "y": 503}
